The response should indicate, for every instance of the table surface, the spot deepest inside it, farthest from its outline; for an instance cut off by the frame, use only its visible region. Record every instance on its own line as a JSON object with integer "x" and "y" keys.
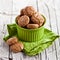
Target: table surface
{"x": 9, "y": 9}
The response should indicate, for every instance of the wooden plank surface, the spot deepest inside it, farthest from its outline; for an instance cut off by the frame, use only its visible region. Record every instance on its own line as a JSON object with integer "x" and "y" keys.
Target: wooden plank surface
{"x": 9, "y": 9}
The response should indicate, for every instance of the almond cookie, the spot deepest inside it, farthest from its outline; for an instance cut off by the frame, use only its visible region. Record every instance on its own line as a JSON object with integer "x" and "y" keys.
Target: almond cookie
{"x": 37, "y": 18}
{"x": 23, "y": 12}
{"x": 12, "y": 41}
{"x": 17, "y": 18}
{"x": 32, "y": 26}
{"x": 23, "y": 20}
{"x": 17, "y": 47}
{"x": 29, "y": 11}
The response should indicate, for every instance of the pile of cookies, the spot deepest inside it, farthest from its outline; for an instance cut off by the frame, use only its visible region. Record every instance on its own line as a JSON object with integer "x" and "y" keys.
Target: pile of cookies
{"x": 15, "y": 46}
{"x": 29, "y": 18}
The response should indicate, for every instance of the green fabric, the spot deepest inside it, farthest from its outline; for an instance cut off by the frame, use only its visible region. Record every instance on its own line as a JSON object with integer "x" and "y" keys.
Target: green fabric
{"x": 12, "y": 29}
{"x": 33, "y": 48}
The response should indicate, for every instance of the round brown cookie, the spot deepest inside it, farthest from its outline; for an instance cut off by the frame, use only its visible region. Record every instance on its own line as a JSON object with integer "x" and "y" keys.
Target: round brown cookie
{"x": 37, "y": 18}
{"x": 32, "y": 26}
{"x": 29, "y": 11}
{"x": 12, "y": 40}
{"x": 23, "y": 20}
{"x": 23, "y": 12}
{"x": 17, "y": 47}
{"x": 17, "y": 18}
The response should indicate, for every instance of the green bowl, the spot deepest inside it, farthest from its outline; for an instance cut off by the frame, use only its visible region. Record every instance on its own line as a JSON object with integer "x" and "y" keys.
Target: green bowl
{"x": 30, "y": 35}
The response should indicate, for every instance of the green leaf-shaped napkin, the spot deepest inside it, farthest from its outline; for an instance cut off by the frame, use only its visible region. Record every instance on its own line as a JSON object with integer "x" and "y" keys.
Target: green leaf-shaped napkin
{"x": 33, "y": 48}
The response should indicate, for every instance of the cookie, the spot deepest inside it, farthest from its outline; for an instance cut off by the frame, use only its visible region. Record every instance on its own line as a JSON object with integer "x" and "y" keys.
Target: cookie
{"x": 37, "y": 19}
{"x": 17, "y": 47}
{"x": 23, "y": 20}
{"x": 12, "y": 40}
{"x": 29, "y": 11}
{"x": 32, "y": 26}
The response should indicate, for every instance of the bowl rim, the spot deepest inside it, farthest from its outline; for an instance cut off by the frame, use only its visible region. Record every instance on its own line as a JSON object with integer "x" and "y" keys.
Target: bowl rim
{"x": 32, "y": 29}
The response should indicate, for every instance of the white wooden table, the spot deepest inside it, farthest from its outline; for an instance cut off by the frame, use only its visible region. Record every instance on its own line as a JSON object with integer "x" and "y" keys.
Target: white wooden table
{"x": 9, "y": 9}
